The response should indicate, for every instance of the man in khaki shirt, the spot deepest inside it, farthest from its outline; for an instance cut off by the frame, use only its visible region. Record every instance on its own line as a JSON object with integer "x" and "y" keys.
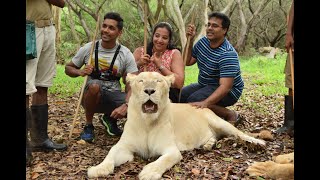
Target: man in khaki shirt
{"x": 39, "y": 75}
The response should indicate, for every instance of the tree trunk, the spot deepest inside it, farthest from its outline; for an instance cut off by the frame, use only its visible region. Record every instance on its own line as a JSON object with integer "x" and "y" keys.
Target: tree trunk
{"x": 72, "y": 27}
{"x": 174, "y": 12}
{"x": 204, "y": 18}
{"x": 247, "y": 25}
{"x": 57, "y": 22}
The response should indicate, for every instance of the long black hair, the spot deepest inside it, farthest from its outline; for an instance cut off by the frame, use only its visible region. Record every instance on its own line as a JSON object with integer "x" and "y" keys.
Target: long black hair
{"x": 169, "y": 28}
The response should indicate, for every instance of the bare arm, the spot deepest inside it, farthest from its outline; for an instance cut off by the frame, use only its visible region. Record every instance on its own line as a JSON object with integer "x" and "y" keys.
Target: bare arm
{"x": 141, "y": 59}
{"x": 73, "y": 71}
{"x": 59, "y": 3}
{"x": 223, "y": 89}
{"x": 177, "y": 68}
{"x": 121, "y": 111}
{"x": 289, "y": 34}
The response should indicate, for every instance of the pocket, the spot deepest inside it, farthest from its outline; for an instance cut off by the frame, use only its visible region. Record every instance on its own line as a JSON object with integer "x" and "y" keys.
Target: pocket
{"x": 31, "y": 47}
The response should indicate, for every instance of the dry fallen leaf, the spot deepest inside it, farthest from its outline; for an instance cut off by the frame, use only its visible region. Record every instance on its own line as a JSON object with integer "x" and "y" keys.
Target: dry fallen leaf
{"x": 195, "y": 171}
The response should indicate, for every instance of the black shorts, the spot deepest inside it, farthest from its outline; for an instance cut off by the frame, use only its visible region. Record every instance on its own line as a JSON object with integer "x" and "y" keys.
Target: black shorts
{"x": 109, "y": 100}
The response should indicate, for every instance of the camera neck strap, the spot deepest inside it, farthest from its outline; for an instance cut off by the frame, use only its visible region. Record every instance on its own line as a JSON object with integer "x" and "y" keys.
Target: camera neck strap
{"x": 113, "y": 59}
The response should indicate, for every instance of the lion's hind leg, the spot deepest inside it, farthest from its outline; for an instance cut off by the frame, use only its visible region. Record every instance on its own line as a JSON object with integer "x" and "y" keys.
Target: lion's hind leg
{"x": 117, "y": 155}
{"x": 224, "y": 128}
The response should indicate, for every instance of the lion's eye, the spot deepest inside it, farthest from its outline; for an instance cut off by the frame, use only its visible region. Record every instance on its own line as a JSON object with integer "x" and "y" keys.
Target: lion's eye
{"x": 159, "y": 80}
{"x": 140, "y": 81}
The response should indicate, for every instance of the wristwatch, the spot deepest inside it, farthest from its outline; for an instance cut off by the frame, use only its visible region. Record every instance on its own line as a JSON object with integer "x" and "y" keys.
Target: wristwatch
{"x": 161, "y": 67}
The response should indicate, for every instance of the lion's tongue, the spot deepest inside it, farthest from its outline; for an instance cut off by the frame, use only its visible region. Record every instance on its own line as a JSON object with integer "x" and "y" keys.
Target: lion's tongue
{"x": 149, "y": 108}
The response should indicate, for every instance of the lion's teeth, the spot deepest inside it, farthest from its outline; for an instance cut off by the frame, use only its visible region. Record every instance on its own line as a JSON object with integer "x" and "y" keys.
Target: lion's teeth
{"x": 149, "y": 107}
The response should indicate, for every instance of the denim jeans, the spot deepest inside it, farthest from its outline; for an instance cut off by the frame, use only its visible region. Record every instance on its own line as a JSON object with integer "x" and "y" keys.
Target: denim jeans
{"x": 196, "y": 92}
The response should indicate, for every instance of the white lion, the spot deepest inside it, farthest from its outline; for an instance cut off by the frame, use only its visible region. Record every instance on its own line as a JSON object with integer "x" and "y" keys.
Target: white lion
{"x": 156, "y": 127}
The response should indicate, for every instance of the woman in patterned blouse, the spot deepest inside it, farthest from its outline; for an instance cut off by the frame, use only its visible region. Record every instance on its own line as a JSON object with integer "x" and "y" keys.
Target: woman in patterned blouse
{"x": 163, "y": 57}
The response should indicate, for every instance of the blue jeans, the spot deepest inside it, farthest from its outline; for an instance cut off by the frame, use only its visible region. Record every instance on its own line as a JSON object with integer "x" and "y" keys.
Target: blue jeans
{"x": 196, "y": 92}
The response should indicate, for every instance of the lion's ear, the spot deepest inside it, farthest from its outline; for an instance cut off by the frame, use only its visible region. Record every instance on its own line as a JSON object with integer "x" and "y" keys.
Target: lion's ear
{"x": 170, "y": 79}
{"x": 130, "y": 77}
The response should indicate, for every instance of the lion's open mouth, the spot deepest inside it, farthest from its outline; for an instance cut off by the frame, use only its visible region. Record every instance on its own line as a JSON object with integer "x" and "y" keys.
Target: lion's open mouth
{"x": 149, "y": 107}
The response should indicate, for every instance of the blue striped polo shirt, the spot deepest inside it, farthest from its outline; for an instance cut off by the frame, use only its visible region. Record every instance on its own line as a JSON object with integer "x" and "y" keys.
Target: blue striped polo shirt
{"x": 214, "y": 63}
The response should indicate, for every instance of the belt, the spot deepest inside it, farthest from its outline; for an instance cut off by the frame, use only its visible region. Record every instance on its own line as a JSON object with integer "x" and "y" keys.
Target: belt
{"x": 43, "y": 23}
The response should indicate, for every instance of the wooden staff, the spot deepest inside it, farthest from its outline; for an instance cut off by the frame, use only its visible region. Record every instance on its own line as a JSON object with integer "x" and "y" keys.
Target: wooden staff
{"x": 145, "y": 18}
{"x": 85, "y": 78}
{"x": 185, "y": 52}
{"x": 292, "y": 73}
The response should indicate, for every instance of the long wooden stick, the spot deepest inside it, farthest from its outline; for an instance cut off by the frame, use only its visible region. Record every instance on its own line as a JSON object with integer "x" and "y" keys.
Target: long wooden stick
{"x": 185, "y": 52}
{"x": 85, "y": 78}
{"x": 292, "y": 73}
{"x": 145, "y": 18}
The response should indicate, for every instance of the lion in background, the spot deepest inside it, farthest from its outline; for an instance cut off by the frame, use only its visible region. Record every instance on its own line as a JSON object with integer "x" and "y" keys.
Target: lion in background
{"x": 155, "y": 127}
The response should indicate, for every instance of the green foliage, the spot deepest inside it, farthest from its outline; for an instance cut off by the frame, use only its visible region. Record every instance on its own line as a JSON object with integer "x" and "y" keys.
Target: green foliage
{"x": 66, "y": 51}
{"x": 65, "y": 86}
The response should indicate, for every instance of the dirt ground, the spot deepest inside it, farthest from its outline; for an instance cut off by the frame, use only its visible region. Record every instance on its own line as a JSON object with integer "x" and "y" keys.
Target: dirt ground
{"x": 228, "y": 160}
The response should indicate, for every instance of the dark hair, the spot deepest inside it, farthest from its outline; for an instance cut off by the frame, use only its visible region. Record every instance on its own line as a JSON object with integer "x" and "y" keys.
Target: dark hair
{"x": 225, "y": 19}
{"x": 161, "y": 25}
{"x": 115, "y": 16}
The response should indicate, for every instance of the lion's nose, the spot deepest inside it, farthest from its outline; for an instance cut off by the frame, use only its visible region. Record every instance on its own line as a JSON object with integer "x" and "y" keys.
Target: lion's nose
{"x": 149, "y": 91}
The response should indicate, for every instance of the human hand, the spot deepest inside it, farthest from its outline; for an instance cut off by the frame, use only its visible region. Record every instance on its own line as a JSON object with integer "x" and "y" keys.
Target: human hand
{"x": 201, "y": 104}
{"x": 144, "y": 59}
{"x": 289, "y": 42}
{"x": 87, "y": 70}
{"x": 191, "y": 31}
{"x": 156, "y": 59}
{"x": 119, "y": 112}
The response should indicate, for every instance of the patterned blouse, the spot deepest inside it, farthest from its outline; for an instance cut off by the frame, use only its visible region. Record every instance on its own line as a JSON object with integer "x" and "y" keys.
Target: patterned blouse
{"x": 166, "y": 60}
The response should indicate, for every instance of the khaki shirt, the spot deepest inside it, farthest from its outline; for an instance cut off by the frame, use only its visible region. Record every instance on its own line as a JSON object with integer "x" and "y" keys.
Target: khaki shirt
{"x": 38, "y": 10}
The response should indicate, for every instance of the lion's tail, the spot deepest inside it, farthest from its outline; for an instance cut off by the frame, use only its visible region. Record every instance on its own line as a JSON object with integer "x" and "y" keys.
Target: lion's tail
{"x": 224, "y": 128}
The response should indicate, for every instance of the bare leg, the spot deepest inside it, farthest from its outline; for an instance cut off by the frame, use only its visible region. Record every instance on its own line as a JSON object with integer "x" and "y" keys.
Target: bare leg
{"x": 91, "y": 99}
{"x": 40, "y": 97}
{"x": 224, "y": 113}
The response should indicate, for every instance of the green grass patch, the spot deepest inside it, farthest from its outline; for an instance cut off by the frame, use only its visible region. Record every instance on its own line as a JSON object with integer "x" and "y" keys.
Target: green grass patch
{"x": 265, "y": 74}
{"x": 64, "y": 85}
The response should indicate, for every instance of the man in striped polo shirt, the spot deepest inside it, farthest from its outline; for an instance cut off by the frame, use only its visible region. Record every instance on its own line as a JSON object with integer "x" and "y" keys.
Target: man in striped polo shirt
{"x": 219, "y": 80}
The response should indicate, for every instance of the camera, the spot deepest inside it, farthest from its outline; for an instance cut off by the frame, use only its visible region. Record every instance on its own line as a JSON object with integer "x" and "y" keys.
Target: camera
{"x": 106, "y": 76}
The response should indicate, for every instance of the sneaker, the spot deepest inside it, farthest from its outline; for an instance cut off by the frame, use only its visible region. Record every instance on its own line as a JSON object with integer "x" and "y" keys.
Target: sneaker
{"x": 111, "y": 126}
{"x": 88, "y": 133}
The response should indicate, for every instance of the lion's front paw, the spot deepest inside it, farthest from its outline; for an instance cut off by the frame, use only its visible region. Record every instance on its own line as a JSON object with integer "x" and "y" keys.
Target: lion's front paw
{"x": 208, "y": 146}
{"x": 100, "y": 171}
{"x": 150, "y": 172}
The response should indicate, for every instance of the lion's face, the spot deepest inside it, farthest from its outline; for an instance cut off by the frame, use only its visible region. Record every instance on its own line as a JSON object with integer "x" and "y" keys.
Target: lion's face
{"x": 150, "y": 90}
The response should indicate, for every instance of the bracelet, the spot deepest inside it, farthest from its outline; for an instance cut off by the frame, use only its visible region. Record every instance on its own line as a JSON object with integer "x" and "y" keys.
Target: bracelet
{"x": 161, "y": 67}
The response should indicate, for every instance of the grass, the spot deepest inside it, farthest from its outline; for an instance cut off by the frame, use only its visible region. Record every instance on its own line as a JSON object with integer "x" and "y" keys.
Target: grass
{"x": 265, "y": 75}
{"x": 65, "y": 86}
